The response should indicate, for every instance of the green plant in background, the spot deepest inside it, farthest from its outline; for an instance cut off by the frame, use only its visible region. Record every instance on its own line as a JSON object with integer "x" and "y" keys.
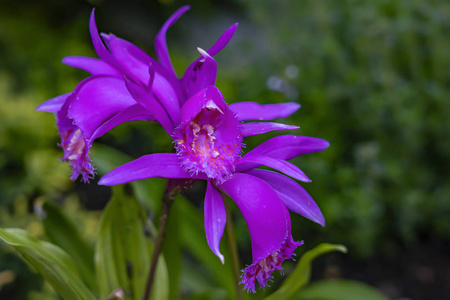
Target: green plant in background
{"x": 379, "y": 69}
{"x": 128, "y": 85}
{"x": 371, "y": 76}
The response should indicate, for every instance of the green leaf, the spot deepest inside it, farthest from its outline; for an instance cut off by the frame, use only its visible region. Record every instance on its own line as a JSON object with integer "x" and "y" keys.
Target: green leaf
{"x": 62, "y": 232}
{"x": 302, "y": 272}
{"x": 339, "y": 290}
{"x": 124, "y": 249}
{"x": 50, "y": 261}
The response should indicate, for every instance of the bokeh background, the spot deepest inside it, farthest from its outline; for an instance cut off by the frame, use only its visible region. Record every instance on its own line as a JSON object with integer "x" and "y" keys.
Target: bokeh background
{"x": 372, "y": 78}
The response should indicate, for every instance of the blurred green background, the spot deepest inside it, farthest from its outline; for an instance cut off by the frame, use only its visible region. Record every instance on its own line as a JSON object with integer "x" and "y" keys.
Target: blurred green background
{"x": 372, "y": 78}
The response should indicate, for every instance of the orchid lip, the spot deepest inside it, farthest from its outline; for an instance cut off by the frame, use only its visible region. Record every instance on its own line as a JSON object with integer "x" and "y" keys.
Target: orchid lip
{"x": 208, "y": 140}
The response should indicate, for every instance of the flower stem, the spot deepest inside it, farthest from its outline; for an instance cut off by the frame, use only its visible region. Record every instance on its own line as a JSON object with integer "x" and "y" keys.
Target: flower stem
{"x": 233, "y": 248}
{"x": 169, "y": 197}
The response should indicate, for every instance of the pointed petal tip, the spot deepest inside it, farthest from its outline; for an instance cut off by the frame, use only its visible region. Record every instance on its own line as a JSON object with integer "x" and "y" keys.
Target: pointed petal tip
{"x": 203, "y": 52}
{"x": 322, "y": 223}
{"x": 220, "y": 256}
{"x": 103, "y": 181}
{"x": 39, "y": 109}
{"x": 92, "y": 16}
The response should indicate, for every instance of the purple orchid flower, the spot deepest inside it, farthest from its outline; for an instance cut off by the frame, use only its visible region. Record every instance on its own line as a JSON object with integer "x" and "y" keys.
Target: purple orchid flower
{"x": 127, "y": 84}
{"x": 208, "y": 140}
{"x": 102, "y": 101}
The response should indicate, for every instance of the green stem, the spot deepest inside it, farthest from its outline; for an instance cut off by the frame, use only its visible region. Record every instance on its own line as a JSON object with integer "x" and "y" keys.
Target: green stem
{"x": 168, "y": 199}
{"x": 233, "y": 248}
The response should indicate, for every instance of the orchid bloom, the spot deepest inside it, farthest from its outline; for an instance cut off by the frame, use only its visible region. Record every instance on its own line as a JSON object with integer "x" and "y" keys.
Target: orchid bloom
{"x": 208, "y": 142}
{"x": 102, "y": 101}
{"x": 127, "y": 84}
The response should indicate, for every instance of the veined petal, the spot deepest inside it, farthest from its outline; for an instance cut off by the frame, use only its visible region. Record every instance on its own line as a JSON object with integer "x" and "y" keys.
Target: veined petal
{"x": 289, "y": 146}
{"x": 163, "y": 165}
{"x": 249, "y": 162}
{"x": 215, "y": 219}
{"x": 53, "y": 105}
{"x": 145, "y": 97}
{"x": 132, "y": 113}
{"x": 98, "y": 98}
{"x": 255, "y": 128}
{"x": 223, "y": 40}
{"x": 91, "y": 65}
{"x": 162, "y": 53}
{"x": 269, "y": 225}
{"x": 294, "y": 196}
{"x": 248, "y": 110}
{"x": 200, "y": 74}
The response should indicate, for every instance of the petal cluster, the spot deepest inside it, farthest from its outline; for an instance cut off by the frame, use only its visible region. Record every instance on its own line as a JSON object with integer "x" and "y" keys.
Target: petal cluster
{"x": 126, "y": 84}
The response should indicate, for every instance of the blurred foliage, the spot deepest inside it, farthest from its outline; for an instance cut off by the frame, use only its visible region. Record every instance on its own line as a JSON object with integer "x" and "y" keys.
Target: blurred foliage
{"x": 372, "y": 77}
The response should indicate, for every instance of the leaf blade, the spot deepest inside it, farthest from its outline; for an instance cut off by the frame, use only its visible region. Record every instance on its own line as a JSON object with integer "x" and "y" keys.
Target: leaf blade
{"x": 53, "y": 263}
{"x": 340, "y": 289}
{"x": 124, "y": 249}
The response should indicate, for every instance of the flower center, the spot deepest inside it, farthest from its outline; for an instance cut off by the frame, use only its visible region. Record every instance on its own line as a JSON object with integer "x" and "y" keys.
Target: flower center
{"x": 209, "y": 144}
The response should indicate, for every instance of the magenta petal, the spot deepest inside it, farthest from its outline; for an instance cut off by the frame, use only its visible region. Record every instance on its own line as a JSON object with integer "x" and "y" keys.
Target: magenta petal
{"x": 255, "y": 128}
{"x": 97, "y": 42}
{"x": 74, "y": 144}
{"x": 163, "y": 165}
{"x": 252, "y": 161}
{"x": 131, "y": 113}
{"x": 215, "y": 219}
{"x": 200, "y": 74}
{"x": 254, "y": 111}
{"x": 223, "y": 40}
{"x": 269, "y": 225}
{"x": 294, "y": 196}
{"x": 135, "y": 65}
{"x": 162, "y": 53}
{"x": 263, "y": 212}
{"x": 53, "y": 105}
{"x": 289, "y": 146}
{"x": 98, "y": 98}
{"x": 144, "y": 97}
{"x": 91, "y": 65}
{"x": 210, "y": 96}
{"x": 165, "y": 94}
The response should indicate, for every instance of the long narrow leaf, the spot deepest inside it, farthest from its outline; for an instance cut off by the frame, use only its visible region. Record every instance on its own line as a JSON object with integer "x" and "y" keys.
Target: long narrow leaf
{"x": 53, "y": 263}
{"x": 339, "y": 290}
{"x": 124, "y": 250}
{"x": 62, "y": 232}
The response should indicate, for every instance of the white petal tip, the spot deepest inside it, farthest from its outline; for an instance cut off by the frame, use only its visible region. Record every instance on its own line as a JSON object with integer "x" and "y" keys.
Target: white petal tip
{"x": 203, "y": 52}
